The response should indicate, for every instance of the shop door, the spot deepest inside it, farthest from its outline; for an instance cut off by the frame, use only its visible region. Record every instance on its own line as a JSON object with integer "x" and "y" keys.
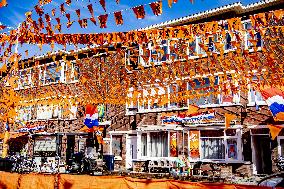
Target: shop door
{"x": 261, "y": 154}
{"x": 70, "y": 148}
{"x": 131, "y": 150}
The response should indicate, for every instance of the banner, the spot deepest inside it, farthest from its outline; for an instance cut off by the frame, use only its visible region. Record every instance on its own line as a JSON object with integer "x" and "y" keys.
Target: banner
{"x": 201, "y": 117}
{"x": 194, "y": 144}
{"x": 173, "y": 144}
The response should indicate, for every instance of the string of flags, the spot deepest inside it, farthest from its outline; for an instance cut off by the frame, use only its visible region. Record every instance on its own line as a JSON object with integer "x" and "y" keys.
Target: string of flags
{"x": 108, "y": 80}
{"x": 139, "y": 12}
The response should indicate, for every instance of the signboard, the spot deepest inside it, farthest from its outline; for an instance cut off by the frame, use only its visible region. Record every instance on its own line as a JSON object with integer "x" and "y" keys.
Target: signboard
{"x": 194, "y": 144}
{"x": 173, "y": 144}
{"x": 201, "y": 117}
{"x": 31, "y": 127}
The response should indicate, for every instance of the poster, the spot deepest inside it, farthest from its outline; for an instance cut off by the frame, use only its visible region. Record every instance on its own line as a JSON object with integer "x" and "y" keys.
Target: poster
{"x": 173, "y": 144}
{"x": 232, "y": 149}
{"x": 194, "y": 144}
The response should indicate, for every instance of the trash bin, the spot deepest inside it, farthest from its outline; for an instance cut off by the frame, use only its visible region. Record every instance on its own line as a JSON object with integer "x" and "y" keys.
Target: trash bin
{"x": 109, "y": 159}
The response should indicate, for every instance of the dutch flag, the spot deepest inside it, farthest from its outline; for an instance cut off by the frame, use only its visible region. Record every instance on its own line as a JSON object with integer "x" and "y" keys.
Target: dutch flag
{"x": 275, "y": 100}
{"x": 92, "y": 116}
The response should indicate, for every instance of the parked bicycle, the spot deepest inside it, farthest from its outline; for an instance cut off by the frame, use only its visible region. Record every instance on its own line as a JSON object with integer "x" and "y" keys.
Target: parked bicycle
{"x": 280, "y": 163}
{"x": 22, "y": 164}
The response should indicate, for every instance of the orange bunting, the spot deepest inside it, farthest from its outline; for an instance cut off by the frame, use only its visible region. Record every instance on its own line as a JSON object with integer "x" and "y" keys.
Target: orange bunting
{"x": 156, "y": 8}
{"x": 274, "y": 130}
{"x": 118, "y": 18}
{"x": 103, "y": 20}
{"x": 139, "y": 12}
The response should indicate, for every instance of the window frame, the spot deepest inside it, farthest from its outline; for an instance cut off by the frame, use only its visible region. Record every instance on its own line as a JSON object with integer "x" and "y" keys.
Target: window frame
{"x": 237, "y": 136}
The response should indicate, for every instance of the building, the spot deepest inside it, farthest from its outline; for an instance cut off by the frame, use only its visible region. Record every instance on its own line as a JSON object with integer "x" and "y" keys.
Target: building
{"x": 165, "y": 132}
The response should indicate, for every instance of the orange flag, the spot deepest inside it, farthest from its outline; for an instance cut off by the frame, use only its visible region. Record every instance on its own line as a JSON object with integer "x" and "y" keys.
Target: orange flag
{"x": 192, "y": 109}
{"x": 3, "y": 3}
{"x": 228, "y": 119}
{"x": 274, "y": 130}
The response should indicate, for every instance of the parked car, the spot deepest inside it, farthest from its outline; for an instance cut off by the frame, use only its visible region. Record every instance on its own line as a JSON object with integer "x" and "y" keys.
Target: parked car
{"x": 274, "y": 180}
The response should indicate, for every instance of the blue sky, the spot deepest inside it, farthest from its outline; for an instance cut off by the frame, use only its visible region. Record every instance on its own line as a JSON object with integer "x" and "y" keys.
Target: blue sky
{"x": 14, "y": 13}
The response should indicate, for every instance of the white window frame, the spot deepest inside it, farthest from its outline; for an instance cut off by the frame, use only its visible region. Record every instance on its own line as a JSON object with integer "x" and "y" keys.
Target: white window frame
{"x": 279, "y": 146}
{"x": 225, "y": 137}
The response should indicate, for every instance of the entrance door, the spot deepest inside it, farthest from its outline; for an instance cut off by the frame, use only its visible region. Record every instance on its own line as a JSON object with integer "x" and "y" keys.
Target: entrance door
{"x": 261, "y": 154}
{"x": 70, "y": 148}
{"x": 131, "y": 150}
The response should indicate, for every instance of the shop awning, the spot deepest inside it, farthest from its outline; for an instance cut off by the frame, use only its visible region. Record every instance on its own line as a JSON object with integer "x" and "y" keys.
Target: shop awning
{"x": 13, "y": 135}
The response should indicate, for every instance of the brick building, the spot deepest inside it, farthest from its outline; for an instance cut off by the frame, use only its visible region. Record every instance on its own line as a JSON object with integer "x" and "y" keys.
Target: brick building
{"x": 245, "y": 148}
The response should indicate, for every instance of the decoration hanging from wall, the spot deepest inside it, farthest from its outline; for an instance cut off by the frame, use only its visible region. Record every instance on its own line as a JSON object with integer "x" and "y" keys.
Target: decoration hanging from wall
{"x": 173, "y": 144}
{"x": 194, "y": 144}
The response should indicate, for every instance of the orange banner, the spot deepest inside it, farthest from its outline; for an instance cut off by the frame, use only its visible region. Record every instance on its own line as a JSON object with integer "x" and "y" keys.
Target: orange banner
{"x": 194, "y": 144}
{"x": 40, "y": 181}
{"x": 173, "y": 144}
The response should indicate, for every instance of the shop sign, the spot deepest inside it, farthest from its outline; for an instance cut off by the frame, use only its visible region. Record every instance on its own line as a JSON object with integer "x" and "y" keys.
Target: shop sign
{"x": 29, "y": 128}
{"x": 202, "y": 117}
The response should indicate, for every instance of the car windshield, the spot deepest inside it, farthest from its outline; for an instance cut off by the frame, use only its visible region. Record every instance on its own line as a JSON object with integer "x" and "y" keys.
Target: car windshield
{"x": 271, "y": 182}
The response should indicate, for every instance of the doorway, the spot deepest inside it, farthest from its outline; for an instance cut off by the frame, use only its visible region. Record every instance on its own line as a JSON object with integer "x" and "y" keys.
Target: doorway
{"x": 131, "y": 150}
{"x": 261, "y": 154}
{"x": 70, "y": 149}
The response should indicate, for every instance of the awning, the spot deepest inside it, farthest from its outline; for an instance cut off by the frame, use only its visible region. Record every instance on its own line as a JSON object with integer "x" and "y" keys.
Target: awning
{"x": 13, "y": 135}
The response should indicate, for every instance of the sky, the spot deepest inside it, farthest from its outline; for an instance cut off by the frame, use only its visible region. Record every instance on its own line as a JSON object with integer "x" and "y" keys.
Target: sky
{"x": 14, "y": 14}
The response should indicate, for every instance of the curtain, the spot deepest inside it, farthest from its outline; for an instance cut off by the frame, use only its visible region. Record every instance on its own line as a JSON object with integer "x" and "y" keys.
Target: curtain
{"x": 159, "y": 144}
{"x": 144, "y": 144}
{"x": 212, "y": 148}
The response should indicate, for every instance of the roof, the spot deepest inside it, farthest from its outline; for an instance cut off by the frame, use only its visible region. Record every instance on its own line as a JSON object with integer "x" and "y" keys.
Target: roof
{"x": 237, "y": 7}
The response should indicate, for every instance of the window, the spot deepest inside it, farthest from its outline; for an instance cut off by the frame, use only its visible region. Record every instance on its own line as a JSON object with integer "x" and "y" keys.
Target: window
{"x": 199, "y": 49}
{"x": 52, "y": 73}
{"x": 174, "y": 89}
{"x": 24, "y": 114}
{"x": 25, "y": 78}
{"x": 144, "y": 144}
{"x": 212, "y": 144}
{"x": 255, "y": 97}
{"x": 159, "y": 53}
{"x": 280, "y": 140}
{"x": 192, "y": 47}
{"x": 228, "y": 40}
{"x": 206, "y": 84}
{"x": 117, "y": 145}
{"x": 220, "y": 145}
{"x": 159, "y": 144}
{"x": 212, "y": 148}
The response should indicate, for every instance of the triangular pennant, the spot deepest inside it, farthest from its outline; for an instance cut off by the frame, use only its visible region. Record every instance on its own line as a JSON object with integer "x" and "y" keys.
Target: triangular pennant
{"x": 274, "y": 130}
{"x": 139, "y": 12}
{"x": 118, "y": 18}
{"x": 156, "y": 8}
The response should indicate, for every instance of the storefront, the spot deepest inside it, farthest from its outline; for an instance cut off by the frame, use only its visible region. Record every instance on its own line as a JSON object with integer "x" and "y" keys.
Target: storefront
{"x": 47, "y": 151}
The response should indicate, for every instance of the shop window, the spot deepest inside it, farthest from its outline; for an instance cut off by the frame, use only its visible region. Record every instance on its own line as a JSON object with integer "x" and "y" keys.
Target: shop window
{"x": 159, "y": 144}
{"x": 220, "y": 145}
{"x": 212, "y": 148}
{"x": 144, "y": 144}
{"x": 117, "y": 145}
